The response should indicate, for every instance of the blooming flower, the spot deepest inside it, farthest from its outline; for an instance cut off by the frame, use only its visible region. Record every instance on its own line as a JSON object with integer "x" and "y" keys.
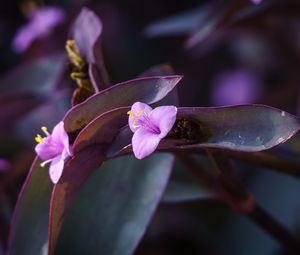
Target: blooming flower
{"x": 41, "y": 22}
{"x": 54, "y": 149}
{"x": 149, "y": 127}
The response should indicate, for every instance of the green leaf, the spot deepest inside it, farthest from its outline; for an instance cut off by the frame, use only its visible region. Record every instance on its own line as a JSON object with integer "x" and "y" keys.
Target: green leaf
{"x": 29, "y": 228}
{"x": 112, "y": 211}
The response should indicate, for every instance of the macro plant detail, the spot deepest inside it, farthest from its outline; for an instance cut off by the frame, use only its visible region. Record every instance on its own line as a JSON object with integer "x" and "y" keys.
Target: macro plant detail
{"x": 54, "y": 149}
{"x": 196, "y": 156}
{"x": 149, "y": 126}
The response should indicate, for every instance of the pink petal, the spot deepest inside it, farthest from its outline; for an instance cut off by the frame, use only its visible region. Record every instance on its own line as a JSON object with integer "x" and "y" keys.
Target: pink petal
{"x": 46, "y": 150}
{"x": 144, "y": 143}
{"x": 164, "y": 117}
{"x": 135, "y": 109}
{"x": 60, "y": 137}
{"x": 56, "y": 168}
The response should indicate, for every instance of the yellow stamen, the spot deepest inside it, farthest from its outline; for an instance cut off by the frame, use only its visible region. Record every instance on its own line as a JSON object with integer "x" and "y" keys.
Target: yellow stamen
{"x": 141, "y": 112}
{"x": 38, "y": 139}
{"x": 131, "y": 114}
{"x": 44, "y": 129}
{"x": 73, "y": 53}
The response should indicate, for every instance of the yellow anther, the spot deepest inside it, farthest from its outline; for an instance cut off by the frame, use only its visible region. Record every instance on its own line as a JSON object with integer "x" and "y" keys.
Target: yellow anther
{"x": 44, "y": 129}
{"x": 73, "y": 53}
{"x": 131, "y": 114}
{"x": 134, "y": 124}
{"x": 38, "y": 139}
{"x": 141, "y": 112}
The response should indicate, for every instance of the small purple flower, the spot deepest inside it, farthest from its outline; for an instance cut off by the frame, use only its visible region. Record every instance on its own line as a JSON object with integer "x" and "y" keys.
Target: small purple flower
{"x": 149, "y": 127}
{"x": 54, "y": 149}
{"x": 236, "y": 87}
{"x": 4, "y": 165}
{"x": 256, "y": 1}
{"x": 41, "y": 22}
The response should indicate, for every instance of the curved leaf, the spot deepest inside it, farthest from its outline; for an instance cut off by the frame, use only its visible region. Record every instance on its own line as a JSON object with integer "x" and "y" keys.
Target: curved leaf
{"x": 16, "y": 105}
{"x": 87, "y": 29}
{"x": 87, "y": 33}
{"x": 108, "y": 123}
{"x": 113, "y": 209}
{"x": 38, "y": 76}
{"x": 76, "y": 172}
{"x": 148, "y": 90}
{"x": 180, "y": 24}
{"x": 29, "y": 227}
{"x": 247, "y": 128}
{"x": 100, "y": 131}
{"x": 243, "y": 128}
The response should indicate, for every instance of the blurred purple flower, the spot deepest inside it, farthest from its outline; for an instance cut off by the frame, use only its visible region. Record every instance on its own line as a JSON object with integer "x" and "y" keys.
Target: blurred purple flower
{"x": 149, "y": 127}
{"x": 4, "y": 165}
{"x": 41, "y": 22}
{"x": 54, "y": 149}
{"x": 235, "y": 87}
{"x": 256, "y": 1}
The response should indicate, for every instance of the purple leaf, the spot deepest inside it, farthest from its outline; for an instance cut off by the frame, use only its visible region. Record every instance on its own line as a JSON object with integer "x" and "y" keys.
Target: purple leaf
{"x": 148, "y": 90}
{"x": 31, "y": 213}
{"x": 64, "y": 192}
{"x": 15, "y": 106}
{"x": 243, "y": 128}
{"x": 87, "y": 29}
{"x": 108, "y": 123}
{"x": 180, "y": 24}
{"x": 118, "y": 202}
{"x": 247, "y": 128}
{"x": 87, "y": 33}
{"x": 38, "y": 76}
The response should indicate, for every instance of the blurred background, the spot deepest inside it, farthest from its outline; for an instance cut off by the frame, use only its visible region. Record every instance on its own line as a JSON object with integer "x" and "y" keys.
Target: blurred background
{"x": 230, "y": 52}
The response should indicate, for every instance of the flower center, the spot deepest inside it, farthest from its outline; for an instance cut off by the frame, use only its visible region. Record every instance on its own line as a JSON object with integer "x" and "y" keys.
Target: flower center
{"x": 39, "y": 138}
{"x": 142, "y": 120}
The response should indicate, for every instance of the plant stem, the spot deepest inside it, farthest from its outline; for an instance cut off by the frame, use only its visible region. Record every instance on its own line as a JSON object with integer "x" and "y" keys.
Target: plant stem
{"x": 265, "y": 221}
{"x": 262, "y": 159}
{"x": 233, "y": 193}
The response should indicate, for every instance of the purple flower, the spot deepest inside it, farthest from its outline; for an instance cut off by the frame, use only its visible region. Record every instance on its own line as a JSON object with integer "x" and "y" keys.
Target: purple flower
{"x": 256, "y": 1}
{"x": 149, "y": 127}
{"x": 4, "y": 165}
{"x": 236, "y": 87}
{"x": 54, "y": 149}
{"x": 41, "y": 22}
